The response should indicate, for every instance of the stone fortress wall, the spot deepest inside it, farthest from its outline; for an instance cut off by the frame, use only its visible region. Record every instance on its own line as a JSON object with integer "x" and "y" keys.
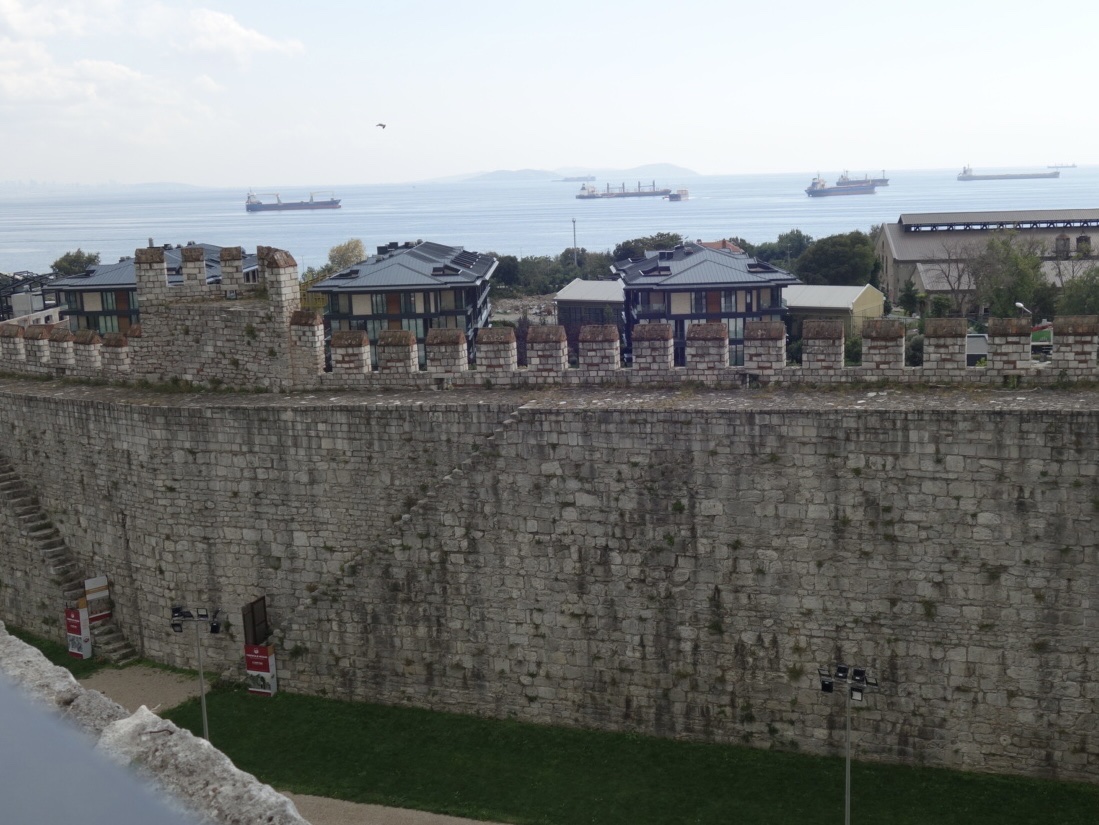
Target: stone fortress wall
{"x": 674, "y": 563}
{"x": 627, "y": 556}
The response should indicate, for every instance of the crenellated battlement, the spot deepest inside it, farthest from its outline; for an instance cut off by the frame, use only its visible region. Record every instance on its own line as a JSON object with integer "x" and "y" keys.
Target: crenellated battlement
{"x": 255, "y": 343}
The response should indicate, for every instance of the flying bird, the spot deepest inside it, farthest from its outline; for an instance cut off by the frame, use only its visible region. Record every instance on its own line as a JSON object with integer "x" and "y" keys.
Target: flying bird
{"x": 382, "y": 125}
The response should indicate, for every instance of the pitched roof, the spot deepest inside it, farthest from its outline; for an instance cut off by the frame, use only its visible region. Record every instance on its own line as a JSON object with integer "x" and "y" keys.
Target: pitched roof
{"x": 820, "y": 296}
{"x": 422, "y": 265}
{"x": 692, "y": 265}
{"x": 934, "y": 236}
{"x": 121, "y": 274}
{"x": 592, "y": 291}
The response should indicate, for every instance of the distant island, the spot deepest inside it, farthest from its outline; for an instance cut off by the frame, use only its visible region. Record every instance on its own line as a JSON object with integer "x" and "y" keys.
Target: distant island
{"x": 652, "y": 170}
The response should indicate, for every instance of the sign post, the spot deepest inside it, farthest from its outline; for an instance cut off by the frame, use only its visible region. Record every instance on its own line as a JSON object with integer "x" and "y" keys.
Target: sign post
{"x": 78, "y": 630}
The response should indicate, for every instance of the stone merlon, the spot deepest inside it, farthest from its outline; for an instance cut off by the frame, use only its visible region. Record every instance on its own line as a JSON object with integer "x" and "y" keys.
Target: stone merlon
{"x": 819, "y": 330}
{"x": 496, "y": 335}
{"x": 1076, "y": 325}
{"x": 1009, "y": 326}
{"x": 445, "y": 337}
{"x": 149, "y": 255}
{"x": 396, "y": 338}
{"x": 193, "y": 254}
{"x": 652, "y": 332}
{"x": 599, "y": 334}
{"x": 708, "y": 332}
{"x": 944, "y": 328}
{"x": 306, "y": 318}
{"x": 349, "y": 339}
{"x": 764, "y": 331}
{"x": 883, "y": 329}
{"x": 545, "y": 334}
{"x": 232, "y": 253}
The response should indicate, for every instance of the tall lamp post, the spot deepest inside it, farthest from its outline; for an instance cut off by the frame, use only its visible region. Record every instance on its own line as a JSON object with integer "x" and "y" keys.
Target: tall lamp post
{"x": 180, "y": 615}
{"x": 857, "y": 682}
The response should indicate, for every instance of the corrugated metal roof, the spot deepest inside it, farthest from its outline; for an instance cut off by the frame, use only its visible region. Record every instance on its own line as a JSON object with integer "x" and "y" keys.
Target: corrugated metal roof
{"x": 933, "y": 277}
{"x": 121, "y": 274}
{"x": 819, "y": 296}
{"x": 426, "y": 265}
{"x": 594, "y": 291}
{"x": 941, "y": 244}
{"x": 1007, "y": 216}
{"x": 692, "y": 264}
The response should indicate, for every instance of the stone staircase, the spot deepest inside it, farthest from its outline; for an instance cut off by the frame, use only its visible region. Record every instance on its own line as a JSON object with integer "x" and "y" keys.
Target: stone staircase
{"x": 61, "y": 565}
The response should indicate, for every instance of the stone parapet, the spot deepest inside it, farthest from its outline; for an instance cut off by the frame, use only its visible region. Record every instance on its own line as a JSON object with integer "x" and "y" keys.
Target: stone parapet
{"x": 547, "y": 348}
{"x": 944, "y": 346}
{"x": 1009, "y": 344}
{"x": 447, "y": 351}
{"x": 87, "y": 345}
{"x": 883, "y": 344}
{"x": 12, "y": 349}
{"x": 1075, "y": 345}
{"x": 397, "y": 352}
{"x": 822, "y": 345}
{"x": 497, "y": 350}
{"x": 600, "y": 351}
{"x": 653, "y": 347}
{"x": 764, "y": 347}
{"x": 350, "y": 352}
{"x": 115, "y": 355}
{"x": 707, "y": 351}
{"x": 36, "y": 346}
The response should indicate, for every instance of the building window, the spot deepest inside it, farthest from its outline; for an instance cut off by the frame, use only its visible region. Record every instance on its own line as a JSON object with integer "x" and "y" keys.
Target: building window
{"x": 765, "y": 299}
{"x": 408, "y": 304}
{"x": 378, "y": 304}
{"x": 108, "y": 300}
{"x": 251, "y": 276}
{"x": 698, "y": 303}
{"x": 415, "y": 325}
{"x": 108, "y": 323}
{"x": 72, "y": 300}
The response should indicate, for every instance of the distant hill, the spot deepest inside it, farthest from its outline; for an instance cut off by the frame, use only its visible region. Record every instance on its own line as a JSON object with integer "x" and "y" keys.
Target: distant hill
{"x": 516, "y": 174}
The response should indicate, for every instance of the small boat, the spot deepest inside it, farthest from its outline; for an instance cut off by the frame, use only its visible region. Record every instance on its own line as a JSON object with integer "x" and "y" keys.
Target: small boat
{"x": 253, "y": 204}
{"x": 678, "y": 195}
{"x": 845, "y": 180}
{"x": 588, "y": 193}
{"x": 967, "y": 174}
{"x": 820, "y": 189}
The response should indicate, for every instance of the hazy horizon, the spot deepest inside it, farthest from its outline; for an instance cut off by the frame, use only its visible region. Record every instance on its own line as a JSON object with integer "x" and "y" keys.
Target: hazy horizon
{"x": 246, "y": 93}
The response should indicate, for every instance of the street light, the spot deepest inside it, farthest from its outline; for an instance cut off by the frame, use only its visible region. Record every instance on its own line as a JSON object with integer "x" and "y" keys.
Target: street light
{"x": 200, "y": 614}
{"x": 1019, "y": 305}
{"x": 858, "y": 681}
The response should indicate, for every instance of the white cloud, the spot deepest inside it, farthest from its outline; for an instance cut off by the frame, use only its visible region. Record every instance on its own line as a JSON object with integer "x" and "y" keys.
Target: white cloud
{"x": 60, "y": 17}
{"x": 221, "y": 33}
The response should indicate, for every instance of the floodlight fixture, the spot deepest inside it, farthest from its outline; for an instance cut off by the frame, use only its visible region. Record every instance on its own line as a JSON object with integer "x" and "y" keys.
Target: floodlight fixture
{"x": 177, "y": 627}
{"x": 203, "y": 613}
{"x": 841, "y": 673}
{"x": 858, "y": 675}
{"x": 871, "y": 682}
{"x": 177, "y": 612}
{"x": 856, "y": 693}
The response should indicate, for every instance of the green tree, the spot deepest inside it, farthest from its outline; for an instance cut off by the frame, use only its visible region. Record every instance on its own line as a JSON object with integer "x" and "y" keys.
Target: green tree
{"x": 507, "y": 271}
{"x": 909, "y": 299}
{"x": 73, "y": 263}
{"x": 637, "y": 247}
{"x": 788, "y": 248}
{"x": 346, "y": 254}
{"x": 1081, "y": 294}
{"x": 1009, "y": 271}
{"x": 838, "y": 260}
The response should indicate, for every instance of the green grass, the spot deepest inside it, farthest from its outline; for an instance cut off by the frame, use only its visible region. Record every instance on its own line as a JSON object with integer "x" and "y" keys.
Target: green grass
{"x": 512, "y": 772}
{"x": 59, "y": 654}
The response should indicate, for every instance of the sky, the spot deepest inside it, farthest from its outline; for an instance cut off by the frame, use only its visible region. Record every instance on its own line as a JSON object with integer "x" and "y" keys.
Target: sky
{"x": 252, "y": 92}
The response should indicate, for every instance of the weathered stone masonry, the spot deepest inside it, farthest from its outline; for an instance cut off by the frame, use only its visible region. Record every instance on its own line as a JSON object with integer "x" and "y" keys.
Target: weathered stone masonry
{"x": 670, "y": 564}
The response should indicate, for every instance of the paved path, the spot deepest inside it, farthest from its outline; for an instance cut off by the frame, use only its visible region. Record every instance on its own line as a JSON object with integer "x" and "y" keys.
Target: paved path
{"x": 159, "y": 690}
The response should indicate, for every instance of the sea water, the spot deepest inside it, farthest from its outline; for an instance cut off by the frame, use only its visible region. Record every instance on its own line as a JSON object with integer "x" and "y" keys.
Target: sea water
{"x": 40, "y": 223}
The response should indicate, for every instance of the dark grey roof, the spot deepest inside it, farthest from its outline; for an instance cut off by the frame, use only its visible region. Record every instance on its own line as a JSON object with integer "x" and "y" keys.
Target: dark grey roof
{"x": 940, "y": 244}
{"x": 422, "y": 265}
{"x": 25, "y": 282}
{"x": 121, "y": 274}
{"x": 693, "y": 265}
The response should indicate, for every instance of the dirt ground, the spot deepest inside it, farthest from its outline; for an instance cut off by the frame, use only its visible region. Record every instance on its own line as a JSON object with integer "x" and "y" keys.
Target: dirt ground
{"x": 160, "y": 690}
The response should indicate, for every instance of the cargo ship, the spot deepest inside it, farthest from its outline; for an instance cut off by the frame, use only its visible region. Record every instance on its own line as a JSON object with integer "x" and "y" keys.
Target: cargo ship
{"x": 588, "y": 193}
{"x": 845, "y": 180}
{"x": 967, "y": 174}
{"x": 820, "y": 189}
{"x": 253, "y": 204}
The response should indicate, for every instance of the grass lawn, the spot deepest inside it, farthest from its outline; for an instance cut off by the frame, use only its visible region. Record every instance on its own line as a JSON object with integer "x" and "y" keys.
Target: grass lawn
{"x": 59, "y": 654}
{"x": 512, "y": 772}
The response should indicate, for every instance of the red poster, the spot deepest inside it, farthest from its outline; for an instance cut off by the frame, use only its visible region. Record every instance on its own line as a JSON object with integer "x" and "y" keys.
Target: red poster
{"x": 259, "y": 661}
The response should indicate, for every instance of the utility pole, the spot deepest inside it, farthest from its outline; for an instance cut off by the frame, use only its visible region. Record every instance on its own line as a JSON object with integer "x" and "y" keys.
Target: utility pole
{"x": 574, "y": 263}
